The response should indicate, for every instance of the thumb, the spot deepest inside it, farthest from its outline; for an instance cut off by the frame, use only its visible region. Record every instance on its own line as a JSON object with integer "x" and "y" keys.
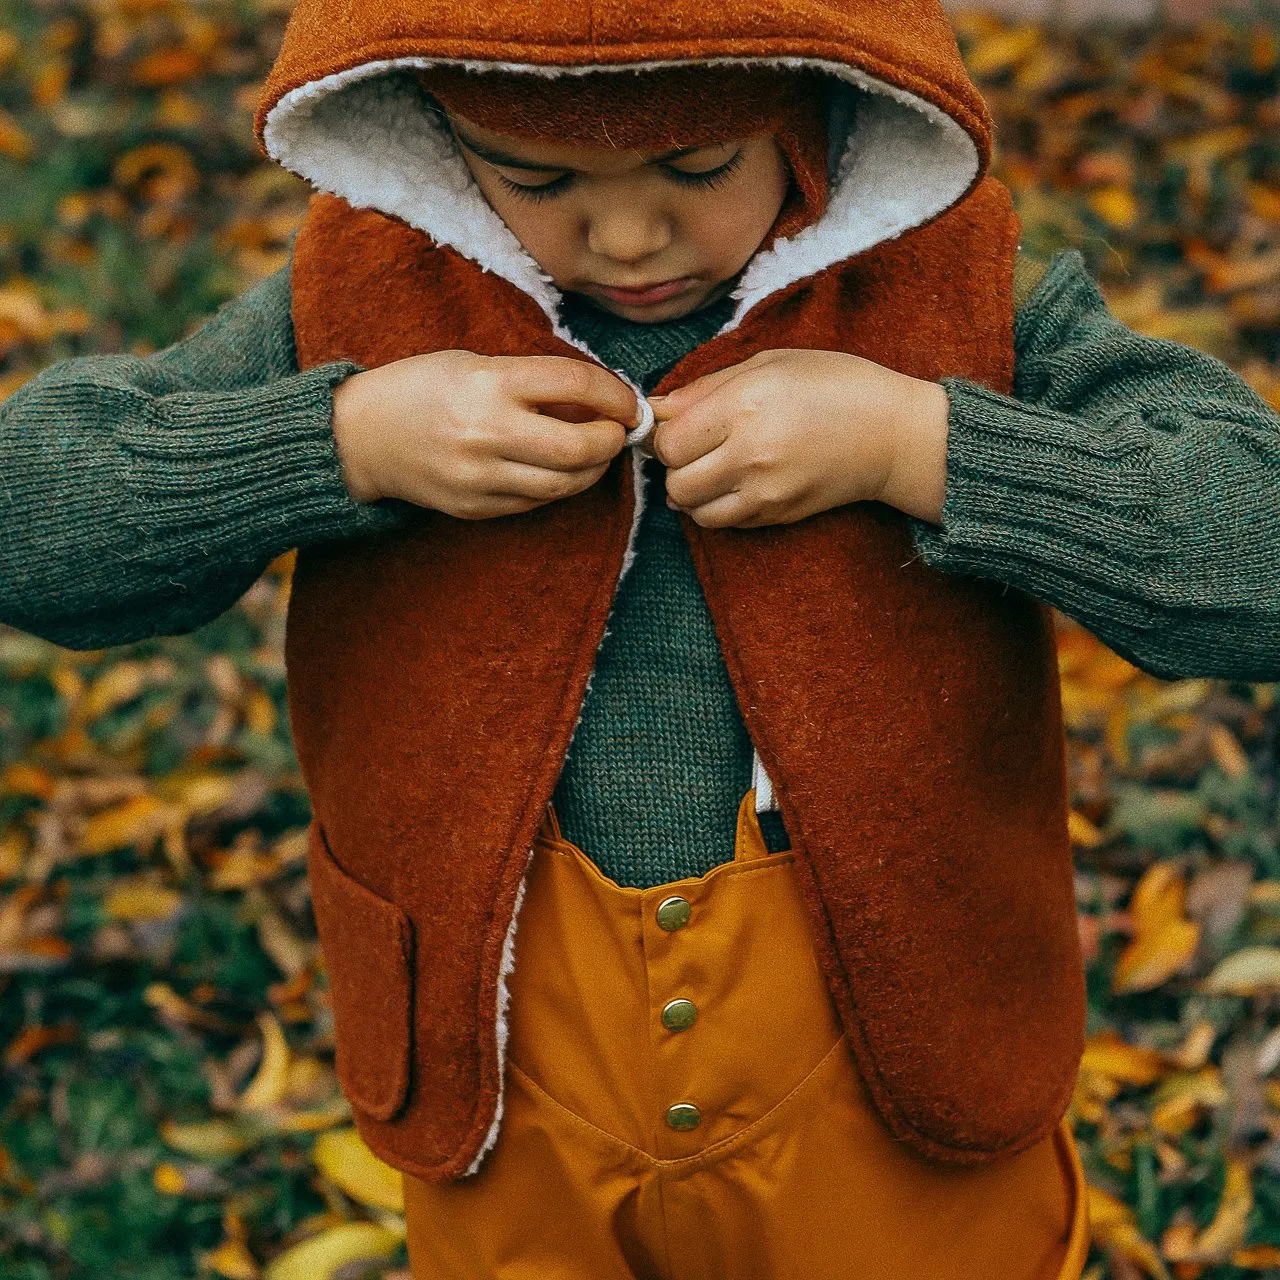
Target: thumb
{"x": 683, "y": 399}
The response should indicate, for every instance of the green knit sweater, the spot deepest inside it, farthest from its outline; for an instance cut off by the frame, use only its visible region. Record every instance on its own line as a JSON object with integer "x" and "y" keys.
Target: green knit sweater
{"x": 1132, "y": 482}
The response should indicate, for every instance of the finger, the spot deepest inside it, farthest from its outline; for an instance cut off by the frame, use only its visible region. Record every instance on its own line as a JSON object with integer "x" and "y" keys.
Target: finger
{"x": 727, "y": 511}
{"x": 564, "y": 446}
{"x": 681, "y": 440}
{"x": 683, "y": 399}
{"x": 561, "y": 380}
{"x": 702, "y": 481}
{"x": 516, "y": 480}
{"x": 691, "y": 393}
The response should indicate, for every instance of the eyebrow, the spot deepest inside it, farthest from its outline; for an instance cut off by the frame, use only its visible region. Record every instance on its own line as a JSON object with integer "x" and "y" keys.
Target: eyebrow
{"x": 494, "y": 156}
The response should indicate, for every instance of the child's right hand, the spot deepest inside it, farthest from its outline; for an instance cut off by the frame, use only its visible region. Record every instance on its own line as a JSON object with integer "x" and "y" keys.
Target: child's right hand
{"x": 463, "y": 433}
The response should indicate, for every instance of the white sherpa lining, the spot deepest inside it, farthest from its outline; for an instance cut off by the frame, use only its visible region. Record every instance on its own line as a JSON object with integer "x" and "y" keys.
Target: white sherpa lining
{"x": 369, "y": 135}
{"x": 505, "y": 970}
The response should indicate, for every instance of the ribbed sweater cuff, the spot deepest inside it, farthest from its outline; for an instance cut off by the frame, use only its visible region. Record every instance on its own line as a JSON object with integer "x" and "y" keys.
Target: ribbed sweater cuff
{"x": 1037, "y": 499}
{"x": 248, "y": 474}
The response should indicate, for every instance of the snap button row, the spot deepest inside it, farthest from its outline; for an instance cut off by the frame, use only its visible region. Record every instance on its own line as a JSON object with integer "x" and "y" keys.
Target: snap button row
{"x": 678, "y": 1015}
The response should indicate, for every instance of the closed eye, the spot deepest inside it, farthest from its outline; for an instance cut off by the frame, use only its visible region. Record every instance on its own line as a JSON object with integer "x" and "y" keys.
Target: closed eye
{"x": 707, "y": 180}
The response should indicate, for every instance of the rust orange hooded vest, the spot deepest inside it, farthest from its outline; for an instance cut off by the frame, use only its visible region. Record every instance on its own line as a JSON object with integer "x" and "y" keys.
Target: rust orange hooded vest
{"x": 909, "y": 721}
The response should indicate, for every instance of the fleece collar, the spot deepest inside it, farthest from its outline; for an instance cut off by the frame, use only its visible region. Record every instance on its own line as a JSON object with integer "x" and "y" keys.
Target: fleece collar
{"x": 368, "y": 135}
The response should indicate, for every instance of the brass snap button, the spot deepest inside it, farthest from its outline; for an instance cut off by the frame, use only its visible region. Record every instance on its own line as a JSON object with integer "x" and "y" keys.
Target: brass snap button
{"x": 684, "y": 1116}
{"x": 673, "y": 914}
{"x": 679, "y": 1015}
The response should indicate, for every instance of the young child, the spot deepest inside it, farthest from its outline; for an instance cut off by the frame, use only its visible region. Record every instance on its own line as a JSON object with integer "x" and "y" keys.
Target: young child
{"x": 796, "y": 989}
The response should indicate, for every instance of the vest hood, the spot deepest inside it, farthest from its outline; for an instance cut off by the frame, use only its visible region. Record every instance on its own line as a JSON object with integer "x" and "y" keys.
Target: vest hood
{"x": 910, "y": 134}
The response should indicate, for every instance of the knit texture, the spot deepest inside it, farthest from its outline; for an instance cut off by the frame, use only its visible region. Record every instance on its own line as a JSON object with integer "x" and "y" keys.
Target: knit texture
{"x": 1130, "y": 481}
{"x": 661, "y": 758}
{"x": 143, "y": 497}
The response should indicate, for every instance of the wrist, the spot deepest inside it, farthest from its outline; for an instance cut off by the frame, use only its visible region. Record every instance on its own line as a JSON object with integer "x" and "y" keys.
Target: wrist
{"x": 916, "y": 479}
{"x": 350, "y": 416}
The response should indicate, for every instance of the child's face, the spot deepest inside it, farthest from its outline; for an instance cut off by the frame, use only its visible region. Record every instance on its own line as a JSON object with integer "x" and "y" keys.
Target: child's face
{"x": 597, "y": 220}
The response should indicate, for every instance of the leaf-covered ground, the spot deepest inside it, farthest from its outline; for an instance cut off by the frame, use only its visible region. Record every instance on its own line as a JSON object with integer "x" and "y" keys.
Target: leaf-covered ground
{"x": 167, "y": 1099}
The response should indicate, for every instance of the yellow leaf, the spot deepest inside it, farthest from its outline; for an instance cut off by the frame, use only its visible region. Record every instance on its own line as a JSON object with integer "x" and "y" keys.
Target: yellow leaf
{"x": 1194, "y": 1051}
{"x": 23, "y": 311}
{"x": 1227, "y": 751}
{"x": 142, "y": 901}
{"x": 15, "y": 142}
{"x": 1084, "y": 835}
{"x": 168, "y": 1179}
{"x": 166, "y": 161}
{"x": 343, "y": 1158}
{"x": 1259, "y": 1257}
{"x": 1114, "y": 1226}
{"x": 138, "y": 821}
{"x": 1263, "y": 200}
{"x": 1159, "y": 897}
{"x": 1225, "y": 1233}
{"x": 1250, "y": 972}
{"x": 260, "y": 712}
{"x": 1117, "y": 206}
{"x": 1110, "y": 1056}
{"x": 206, "y": 1139}
{"x": 322, "y": 1256}
{"x": 207, "y": 792}
{"x": 1152, "y": 958}
{"x": 1182, "y": 1096}
{"x": 116, "y": 686}
{"x": 267, "y": 1087}
{"x": 1002, "y": 50}
{"x": 21, "y": 779}
{"x": 1265, "y": 894}
{"x": 1106, "y": 1211}
{"x": 232, "y": 1261}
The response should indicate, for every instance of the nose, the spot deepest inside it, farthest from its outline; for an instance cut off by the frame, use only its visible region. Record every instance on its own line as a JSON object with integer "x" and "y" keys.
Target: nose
{"x": 628, "y": 233}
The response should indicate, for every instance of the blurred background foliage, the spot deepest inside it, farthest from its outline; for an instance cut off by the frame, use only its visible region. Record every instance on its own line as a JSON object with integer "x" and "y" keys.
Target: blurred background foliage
{"x": 167, "y": 1100}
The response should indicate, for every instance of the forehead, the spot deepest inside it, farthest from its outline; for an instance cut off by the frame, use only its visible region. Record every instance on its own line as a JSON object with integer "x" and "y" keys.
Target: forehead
{"x": 551, "y": 154}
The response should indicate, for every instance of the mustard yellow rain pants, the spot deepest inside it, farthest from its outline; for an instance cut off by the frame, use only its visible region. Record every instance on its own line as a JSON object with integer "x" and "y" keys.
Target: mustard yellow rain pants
{"x": 680, "y": 1104}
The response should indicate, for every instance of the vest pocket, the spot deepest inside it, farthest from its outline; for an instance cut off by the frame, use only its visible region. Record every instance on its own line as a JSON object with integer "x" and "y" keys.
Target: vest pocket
{"x": 368, "y": 950}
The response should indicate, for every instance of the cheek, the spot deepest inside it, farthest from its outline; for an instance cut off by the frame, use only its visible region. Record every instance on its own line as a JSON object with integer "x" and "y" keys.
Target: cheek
{"x": 731, "y": 228}
{"x": 544, "y": 230}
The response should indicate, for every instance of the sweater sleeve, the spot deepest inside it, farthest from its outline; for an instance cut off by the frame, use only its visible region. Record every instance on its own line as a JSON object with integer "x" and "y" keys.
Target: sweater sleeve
{"x": 1132, "y": 482}
{"x": 143, "y": 496}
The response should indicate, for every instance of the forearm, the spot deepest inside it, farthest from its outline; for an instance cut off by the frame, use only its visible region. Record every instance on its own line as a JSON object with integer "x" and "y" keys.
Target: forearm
{"x": 1132, "y": 483}
{"x": 138, "y": 500}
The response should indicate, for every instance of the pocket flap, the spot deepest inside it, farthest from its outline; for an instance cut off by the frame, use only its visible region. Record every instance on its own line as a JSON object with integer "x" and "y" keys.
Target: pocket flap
{"x": 368, "y": 951}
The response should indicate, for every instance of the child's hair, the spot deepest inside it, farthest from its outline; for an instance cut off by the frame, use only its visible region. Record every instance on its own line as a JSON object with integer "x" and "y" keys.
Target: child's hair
{"x": 656, "y": 110}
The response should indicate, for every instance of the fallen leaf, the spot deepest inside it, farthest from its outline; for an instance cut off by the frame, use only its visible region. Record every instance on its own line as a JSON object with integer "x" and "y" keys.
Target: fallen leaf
{"x": 1250, "y": 972}
{"x": 343, "y": 1158}
{"x": 267, "y": 1088}
{"x": 324, "y": 1255}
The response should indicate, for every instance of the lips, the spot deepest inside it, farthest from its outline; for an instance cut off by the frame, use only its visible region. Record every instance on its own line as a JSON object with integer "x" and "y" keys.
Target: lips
{"x": 649, "y": 294}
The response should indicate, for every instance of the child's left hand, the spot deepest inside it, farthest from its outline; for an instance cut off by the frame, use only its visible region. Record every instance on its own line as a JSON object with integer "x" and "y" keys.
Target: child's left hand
{"x": 789, "y": 433}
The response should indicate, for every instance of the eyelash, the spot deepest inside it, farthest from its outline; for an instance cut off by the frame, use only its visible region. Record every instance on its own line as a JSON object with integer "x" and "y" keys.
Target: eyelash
{"x": 707, "y": 181}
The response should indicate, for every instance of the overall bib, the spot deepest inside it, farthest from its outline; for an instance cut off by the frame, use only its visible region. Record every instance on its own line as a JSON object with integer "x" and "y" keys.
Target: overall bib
{"x": 682, "y": 1104}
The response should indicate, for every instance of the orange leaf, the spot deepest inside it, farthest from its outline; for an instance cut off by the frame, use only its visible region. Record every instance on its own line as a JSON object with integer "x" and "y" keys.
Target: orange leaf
{"x": 167, "y": 67}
